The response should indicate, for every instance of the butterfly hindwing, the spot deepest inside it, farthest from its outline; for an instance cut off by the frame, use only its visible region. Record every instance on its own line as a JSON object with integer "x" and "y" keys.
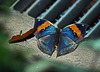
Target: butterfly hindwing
{"x": 45, "y": 35}
{"x": 69, "y": 37}
{"x": 46, "y": 44}
{"x": 65, "y": 46}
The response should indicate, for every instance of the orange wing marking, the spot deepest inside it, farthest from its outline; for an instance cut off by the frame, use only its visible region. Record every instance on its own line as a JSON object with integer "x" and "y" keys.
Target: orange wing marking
{"x": 43, "y": 26}
{"x": 76, "y": 30}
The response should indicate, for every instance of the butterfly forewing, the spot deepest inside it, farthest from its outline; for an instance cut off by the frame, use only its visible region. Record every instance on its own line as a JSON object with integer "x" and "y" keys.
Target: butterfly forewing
{"x": 75, "y": 31}
{"x": 69, "y": 37}
{"x": 45, "y": 35}
{"x": 45, "y": 29}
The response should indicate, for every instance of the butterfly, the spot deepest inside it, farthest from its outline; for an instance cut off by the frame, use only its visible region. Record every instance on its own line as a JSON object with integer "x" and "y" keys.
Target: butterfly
{"x": 50, "y": 38}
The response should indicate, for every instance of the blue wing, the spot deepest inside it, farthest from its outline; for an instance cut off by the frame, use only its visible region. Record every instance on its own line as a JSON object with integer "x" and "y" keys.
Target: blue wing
{"x": 65, "y": 46}
{"x": 38, "y": 22}
{"x": 47, "y": 44}
{"x": 75, "y": 31}
{"x": 47, "y": 31}
{"x": 70, "y": 35}
{"x": 45, "y": 35}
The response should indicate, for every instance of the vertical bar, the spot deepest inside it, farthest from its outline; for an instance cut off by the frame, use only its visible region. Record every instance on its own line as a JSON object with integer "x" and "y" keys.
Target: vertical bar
{"x": 68, "y": 17}
{"x": 94, "y": 30}
{"x": 21, "y": 5}
{"x": 55, "y": 9}
{"x": 91, "y": 14}
{"x": 14, "y": 4}
{"x": 39, "y": 8}
{"x": 48, "y": 11}
{"x": 32, "y": 6}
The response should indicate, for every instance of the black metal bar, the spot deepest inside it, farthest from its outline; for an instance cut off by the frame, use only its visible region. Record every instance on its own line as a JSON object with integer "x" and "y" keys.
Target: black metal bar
{"x": 95, "y": 34}
{"x": 56, "y": 10}
{"x": 40, "y": 7}
{"x": 22, "y": 4}
{"x": 69, "y": 17}
{"x": 93, "y": 13}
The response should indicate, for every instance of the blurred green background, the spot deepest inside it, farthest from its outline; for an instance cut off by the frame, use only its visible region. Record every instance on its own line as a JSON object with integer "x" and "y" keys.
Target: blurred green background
{"x": 15, "y": 61}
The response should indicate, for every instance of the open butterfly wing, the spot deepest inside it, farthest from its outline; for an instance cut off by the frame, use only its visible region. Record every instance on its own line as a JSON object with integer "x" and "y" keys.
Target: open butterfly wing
{"x": 75, "y": 31}
{"x": 45, "y": 35}
{"x": 65, "y": 46}
{"x": 70, "y": 35}
{"x": 46, "y": 44}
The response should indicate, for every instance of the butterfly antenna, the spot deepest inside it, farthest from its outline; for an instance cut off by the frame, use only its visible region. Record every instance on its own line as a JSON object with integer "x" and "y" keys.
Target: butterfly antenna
{"x": 20, "y": 33}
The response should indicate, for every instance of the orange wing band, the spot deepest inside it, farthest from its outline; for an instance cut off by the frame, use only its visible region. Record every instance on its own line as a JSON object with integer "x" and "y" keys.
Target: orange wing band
{"x": 43, "y": 26}
{"x": 76, "y": 30}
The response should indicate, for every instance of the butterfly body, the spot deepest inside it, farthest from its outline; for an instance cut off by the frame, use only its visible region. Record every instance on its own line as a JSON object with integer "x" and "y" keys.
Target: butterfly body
{"x": 49, "y": 37}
